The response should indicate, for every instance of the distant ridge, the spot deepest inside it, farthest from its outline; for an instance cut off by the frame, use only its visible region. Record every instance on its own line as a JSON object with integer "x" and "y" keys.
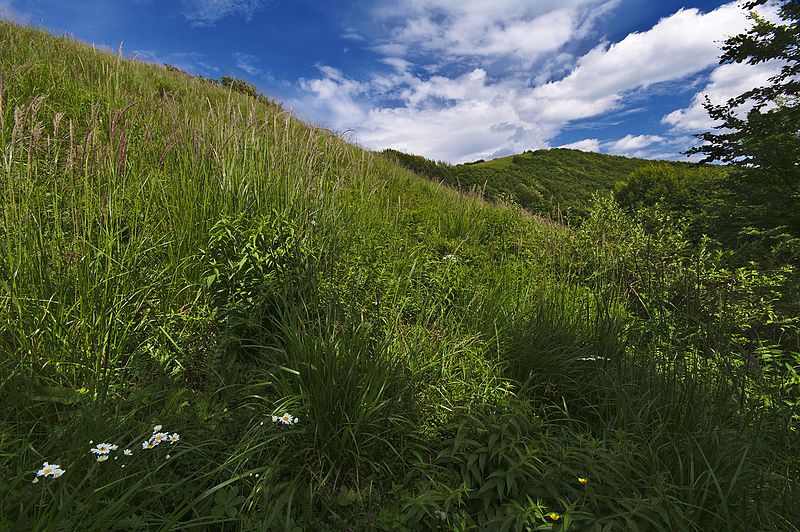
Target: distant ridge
{"x": 548, "y": 182}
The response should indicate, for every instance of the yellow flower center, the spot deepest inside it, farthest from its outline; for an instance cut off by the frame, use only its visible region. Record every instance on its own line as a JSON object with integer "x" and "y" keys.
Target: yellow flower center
{"x": 47, "y": 471}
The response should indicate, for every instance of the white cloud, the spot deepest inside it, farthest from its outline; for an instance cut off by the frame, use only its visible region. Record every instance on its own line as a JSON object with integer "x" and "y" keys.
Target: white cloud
{"x": 202, "y": 13}
{"x": 726, "y": 82}
{"x": 332, "y": 99}
{"x": 518, "y": 28}
{"x": 245, "y": 62}
{"x": 631, "y": 143}
{"x": 486, "y": 110}
{"x": 584, "y": 145}
{"x": 684, "y": 43}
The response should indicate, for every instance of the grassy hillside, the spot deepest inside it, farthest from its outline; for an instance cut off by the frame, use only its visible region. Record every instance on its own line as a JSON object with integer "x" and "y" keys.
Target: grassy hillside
{"x": 181, "y": 257}
{"x": 550, "y": 182}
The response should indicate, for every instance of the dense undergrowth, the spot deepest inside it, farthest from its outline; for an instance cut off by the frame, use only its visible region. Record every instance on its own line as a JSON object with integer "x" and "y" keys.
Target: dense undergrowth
{"x": 176, "y": 253}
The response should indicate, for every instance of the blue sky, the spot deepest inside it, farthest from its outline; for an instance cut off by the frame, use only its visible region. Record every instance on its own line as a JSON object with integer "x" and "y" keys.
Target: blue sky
{"x": 450, "y": 80}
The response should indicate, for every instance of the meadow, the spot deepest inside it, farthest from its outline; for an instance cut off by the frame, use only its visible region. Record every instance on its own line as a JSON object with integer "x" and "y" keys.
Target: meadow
{"x": 289, "y": 332}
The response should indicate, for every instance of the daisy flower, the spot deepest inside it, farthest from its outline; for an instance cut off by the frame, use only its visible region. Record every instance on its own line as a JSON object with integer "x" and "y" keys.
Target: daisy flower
{"x": 127, "y": 452}
{"x": 158, "y": 437}
{"x": 103, "y": 448}
{"x": 174, "y": 437}
{"x": 148, "y": 444}
{"x": 286, "y": 418}
{"x": 157, "y": 428}
{"x": 50, "y": 470}
{"x": 102, "y": 457}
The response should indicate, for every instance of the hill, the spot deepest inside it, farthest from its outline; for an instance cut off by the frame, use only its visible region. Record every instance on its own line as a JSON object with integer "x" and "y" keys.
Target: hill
{"x": 548, "y": 182}
{"x": 216, "y": 317}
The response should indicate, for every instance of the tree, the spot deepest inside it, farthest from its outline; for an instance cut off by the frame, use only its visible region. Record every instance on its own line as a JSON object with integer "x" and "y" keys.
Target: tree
{"x": 764, "y": 141}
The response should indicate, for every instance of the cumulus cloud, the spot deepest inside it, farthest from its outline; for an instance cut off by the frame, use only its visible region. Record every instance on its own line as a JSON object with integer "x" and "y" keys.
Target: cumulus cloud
{"x": 583, "y": 145}
{"x": 202, "y": 13}
{"x": 630, "y": 143}
{"x": 726, "y": 82}
{"x": 517, "y": 28}
{"x": 447, "y": 111}
{"x": 684, "y": 43}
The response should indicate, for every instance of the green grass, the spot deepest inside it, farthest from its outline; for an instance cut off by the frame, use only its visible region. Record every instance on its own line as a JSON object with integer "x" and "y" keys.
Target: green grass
{"x": 174, "y": 253}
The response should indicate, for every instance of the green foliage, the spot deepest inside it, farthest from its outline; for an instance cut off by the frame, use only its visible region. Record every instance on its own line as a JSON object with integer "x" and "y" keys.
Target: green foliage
{"x": 558, "y": 183}
{"x": 176, "y": 252}
{"x": 760, "y": 127}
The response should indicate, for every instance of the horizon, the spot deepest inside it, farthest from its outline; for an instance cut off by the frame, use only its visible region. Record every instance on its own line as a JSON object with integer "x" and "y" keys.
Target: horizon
{"x": 451, "y": 83}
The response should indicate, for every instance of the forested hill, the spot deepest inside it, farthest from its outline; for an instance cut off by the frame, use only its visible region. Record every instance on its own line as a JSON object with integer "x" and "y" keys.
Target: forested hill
{"x": 542, "y": 181}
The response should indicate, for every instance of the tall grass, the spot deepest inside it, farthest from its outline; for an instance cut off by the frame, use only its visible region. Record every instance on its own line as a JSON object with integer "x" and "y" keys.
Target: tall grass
{"x": 177, "y": 253}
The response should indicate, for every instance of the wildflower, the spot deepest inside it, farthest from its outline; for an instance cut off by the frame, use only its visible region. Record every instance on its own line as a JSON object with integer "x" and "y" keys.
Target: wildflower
{"x": 274, "y": 419}
{"x": 440, "y": 515}
{"x": 157, "y": 428}
{"x": 91, "y": 442}
{"x": 286, "y": 418}
{"x": 35, "y": 480}
{"x": 127, "y": 452}
{"x": 583, "y": 481}
{"x": 51, "y": 470}
{"x": 174, "y": 437}
{"x": 593, "y": 358}
{"x": 123, "y": 465}
{"x": 449, "y": 258}
{"x": 102, "y": 457}
{"x": 148, "y": 444}
{"x": 262, "y": 423}
{"x": 167, "y": 457}
{"x": 103, "y": 448}
{"x": 158, "y": 437}
{"x": 553, "y": 516}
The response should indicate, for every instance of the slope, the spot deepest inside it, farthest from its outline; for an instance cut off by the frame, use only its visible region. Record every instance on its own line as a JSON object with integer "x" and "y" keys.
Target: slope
{"x": 284, "y": 331}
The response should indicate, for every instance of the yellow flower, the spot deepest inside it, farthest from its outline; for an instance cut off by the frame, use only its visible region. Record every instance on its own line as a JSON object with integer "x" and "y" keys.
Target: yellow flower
{"x": 583, "y": 481}
{"x": 553, "y": 516}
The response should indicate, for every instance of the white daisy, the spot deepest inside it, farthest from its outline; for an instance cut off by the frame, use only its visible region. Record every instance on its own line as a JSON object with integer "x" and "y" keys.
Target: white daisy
{"x": 157, "y": 428}
{"x": 174, "y": 437}
{"x": 102, "y": 457}
{"x": 103, "y": 448}
{"x": 148, "y": 444}
{"x": 274, "y": 419}
{"x": 127, "y": 452}
{"x": 286, "y": 418}
{"x": 159, "y": 437}
{"x": 49, "y": 470}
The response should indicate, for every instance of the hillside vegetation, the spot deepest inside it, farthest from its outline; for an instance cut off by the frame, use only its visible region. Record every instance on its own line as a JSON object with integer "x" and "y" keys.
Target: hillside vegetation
{"x": 180, "y": 256}
{"x": 555, "y": 182}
